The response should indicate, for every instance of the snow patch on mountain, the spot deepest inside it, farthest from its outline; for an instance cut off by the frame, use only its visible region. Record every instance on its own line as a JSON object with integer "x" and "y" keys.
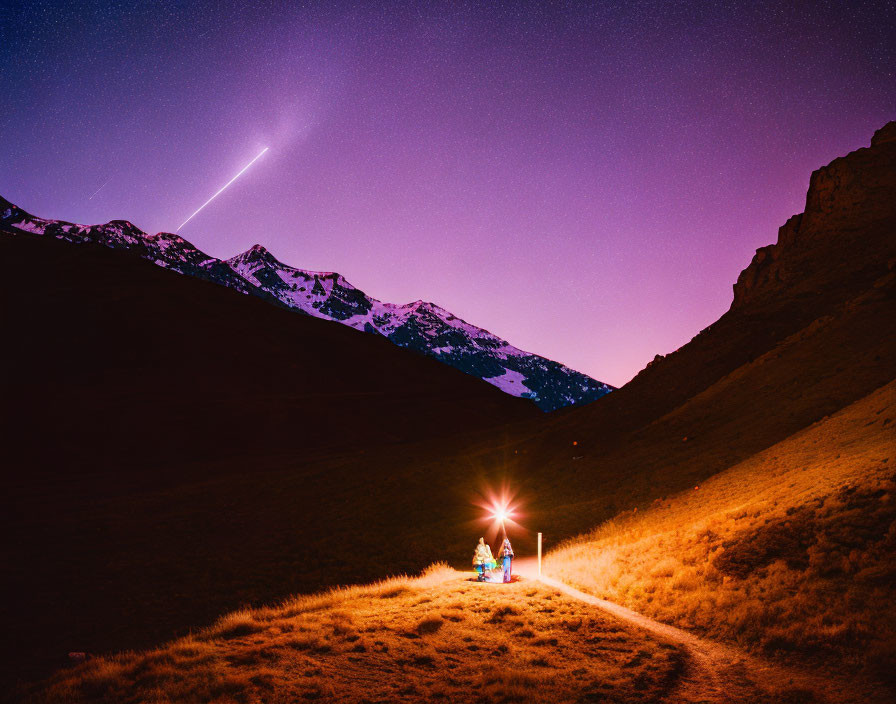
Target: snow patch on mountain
{"x": 512, "y": 382}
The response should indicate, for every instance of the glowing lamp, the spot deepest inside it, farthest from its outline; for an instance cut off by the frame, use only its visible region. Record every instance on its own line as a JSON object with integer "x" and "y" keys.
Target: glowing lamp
{"x": 501, "y": 509}
{"x": 501, "y": 513}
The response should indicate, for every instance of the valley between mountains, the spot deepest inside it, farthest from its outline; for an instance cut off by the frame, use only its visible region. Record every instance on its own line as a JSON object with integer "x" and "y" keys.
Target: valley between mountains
{"x": 187, "y": 518}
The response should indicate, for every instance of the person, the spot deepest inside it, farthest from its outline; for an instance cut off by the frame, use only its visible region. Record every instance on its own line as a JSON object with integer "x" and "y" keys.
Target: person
{"x": 507, "y": 559}
{"x": 482, "y": 558}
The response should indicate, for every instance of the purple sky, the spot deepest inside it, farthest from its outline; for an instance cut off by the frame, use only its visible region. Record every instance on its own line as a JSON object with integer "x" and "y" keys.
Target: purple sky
{"x": 584, "y": 181}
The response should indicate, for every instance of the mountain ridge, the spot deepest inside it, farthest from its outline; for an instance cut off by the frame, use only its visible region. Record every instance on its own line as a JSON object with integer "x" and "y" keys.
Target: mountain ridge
{"x": 843, "y": 242}
{"x": 420, "y": 325}
{"x": 850, "y": 195}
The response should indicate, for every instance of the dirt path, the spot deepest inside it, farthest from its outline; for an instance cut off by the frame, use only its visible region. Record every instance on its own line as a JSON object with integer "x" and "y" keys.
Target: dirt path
{"x": 721, "y": 673}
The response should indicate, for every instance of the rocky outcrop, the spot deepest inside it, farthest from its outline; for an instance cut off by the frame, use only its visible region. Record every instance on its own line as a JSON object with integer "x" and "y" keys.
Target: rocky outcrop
{"x": 823, "y": 263}
{"x": 845, "y": 232}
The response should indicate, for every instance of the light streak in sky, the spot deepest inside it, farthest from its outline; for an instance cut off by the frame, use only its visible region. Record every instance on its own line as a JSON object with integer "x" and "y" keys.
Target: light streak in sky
{"x": 99, "y": 189}
{"x": 222, "y": 188}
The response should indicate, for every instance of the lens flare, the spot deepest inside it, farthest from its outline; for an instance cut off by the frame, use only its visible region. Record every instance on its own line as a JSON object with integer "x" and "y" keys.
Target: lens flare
{"x": 501, "y": 510}
{"x": 501, "y": 513}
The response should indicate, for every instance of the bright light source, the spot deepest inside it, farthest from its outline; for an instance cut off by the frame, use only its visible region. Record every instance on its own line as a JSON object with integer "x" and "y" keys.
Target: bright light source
{"x": 501, "y": 513}
{"x": 502, "y": 510}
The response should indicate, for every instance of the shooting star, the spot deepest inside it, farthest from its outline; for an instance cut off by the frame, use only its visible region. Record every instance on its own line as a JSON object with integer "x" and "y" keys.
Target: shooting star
{"x": 222, "y": 188}
{"x": 99, "y": 189}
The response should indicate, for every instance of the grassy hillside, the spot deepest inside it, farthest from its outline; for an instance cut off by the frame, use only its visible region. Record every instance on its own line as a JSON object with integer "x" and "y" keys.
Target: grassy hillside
{"x": 577, "y": 478}
{"x": 790, "y": 551}
{"x": 435, "y": 638}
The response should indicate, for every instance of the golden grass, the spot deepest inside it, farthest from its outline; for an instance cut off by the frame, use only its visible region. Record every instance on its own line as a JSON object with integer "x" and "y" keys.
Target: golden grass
{"x": 438, "y": 637}
{"x": 790, "y": 551}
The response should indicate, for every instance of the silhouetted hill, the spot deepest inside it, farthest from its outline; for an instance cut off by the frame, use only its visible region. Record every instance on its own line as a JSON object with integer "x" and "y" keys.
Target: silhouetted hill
{"x": 143, "y": 416}
{"x": 842, "y": 244}
{"x": 420, "y": 326}
{"x": 119, "y": 363}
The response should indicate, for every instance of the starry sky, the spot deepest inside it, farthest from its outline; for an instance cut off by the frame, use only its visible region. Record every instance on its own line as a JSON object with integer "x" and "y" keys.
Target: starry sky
{"x": 585, "y": 180}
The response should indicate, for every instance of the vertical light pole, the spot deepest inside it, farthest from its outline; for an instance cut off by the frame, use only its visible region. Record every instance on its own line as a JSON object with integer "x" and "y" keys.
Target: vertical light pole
{"x": 539, "y": 554}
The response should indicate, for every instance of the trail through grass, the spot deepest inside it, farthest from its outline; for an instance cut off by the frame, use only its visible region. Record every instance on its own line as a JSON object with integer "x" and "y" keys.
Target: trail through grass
{"x": 440, "y": 637}
{"x": 789, "y": 554}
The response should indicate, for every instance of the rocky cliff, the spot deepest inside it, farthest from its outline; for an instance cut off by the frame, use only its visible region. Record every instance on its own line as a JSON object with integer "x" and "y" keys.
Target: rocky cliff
{"x": 844, "y": 236}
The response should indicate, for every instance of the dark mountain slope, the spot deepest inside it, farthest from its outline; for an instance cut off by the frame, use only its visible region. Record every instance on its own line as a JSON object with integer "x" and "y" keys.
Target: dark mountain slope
{"x": 804, "y": 346}
{"x": 843, "y": 242}
{"x": 114, "y": 362}
{"x": 420, "y": 326}
{"x": 809, "y": 530}
{"x": 173, "y": 448}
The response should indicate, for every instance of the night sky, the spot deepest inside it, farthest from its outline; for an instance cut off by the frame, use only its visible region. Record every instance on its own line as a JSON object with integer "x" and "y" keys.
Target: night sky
{"x": 584, "y": 180}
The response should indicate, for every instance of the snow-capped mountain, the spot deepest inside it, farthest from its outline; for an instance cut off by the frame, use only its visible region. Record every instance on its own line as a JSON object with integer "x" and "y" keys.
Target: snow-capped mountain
{"x": 420, "y": 326}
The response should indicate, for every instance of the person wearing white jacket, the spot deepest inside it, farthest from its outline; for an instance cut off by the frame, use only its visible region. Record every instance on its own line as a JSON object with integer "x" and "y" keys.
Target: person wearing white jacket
{"x": 483, "y": 560}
